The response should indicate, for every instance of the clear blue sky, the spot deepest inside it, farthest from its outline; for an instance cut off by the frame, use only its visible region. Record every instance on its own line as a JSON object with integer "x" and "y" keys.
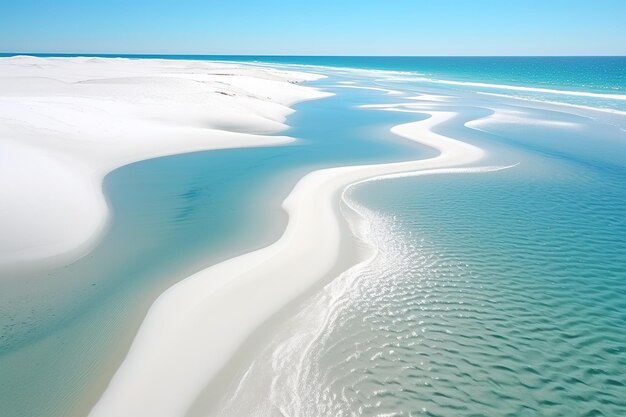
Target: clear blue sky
{"x": 322, "y": 27}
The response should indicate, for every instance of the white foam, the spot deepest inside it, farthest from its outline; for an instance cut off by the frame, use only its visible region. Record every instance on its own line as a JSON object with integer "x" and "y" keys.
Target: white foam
{"x": 517, "y": 117}
{"x": 608, "y": 96}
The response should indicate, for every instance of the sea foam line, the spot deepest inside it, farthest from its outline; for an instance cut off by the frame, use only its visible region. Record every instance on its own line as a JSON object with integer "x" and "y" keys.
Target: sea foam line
{"x": 608, "y": 96}
{"x": 559, "y": 103}
{"x": 193, "y": 329}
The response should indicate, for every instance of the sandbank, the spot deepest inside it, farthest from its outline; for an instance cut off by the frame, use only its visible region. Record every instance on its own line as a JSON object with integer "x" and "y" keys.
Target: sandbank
{"x": 194, "y": 328}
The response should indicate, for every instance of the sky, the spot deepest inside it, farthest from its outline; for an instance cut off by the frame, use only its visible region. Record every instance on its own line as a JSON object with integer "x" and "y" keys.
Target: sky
{"x": 322, "y": 27}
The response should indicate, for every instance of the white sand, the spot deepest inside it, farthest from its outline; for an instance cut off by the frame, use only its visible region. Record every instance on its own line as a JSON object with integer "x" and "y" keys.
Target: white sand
{"x": 358, "y": 87}
{"x": 512, "y": 116}
{"x": 194, "y": 328}
{"x": 66, "y": 122}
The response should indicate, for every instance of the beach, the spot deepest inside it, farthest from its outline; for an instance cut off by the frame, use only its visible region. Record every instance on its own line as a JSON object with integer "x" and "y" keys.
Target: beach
{"x": 226, "y": 238}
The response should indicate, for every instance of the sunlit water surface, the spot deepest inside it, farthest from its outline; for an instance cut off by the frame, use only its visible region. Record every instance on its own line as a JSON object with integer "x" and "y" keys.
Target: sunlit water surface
{"x": 491, "y": 294}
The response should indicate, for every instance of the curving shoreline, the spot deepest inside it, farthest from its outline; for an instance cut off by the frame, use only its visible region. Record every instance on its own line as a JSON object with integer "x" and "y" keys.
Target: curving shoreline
{"x": 349, "y": 291}
{"x": 185, "y": 321}
{"x": 67, "y": 122}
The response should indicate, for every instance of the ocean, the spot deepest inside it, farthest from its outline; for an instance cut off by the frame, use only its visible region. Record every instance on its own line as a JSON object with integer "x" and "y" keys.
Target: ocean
{"x": 485, "y": 294}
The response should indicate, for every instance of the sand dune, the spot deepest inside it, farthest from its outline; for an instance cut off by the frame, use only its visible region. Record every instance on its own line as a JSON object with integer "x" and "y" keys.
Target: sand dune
{"x": 66, "y": 122}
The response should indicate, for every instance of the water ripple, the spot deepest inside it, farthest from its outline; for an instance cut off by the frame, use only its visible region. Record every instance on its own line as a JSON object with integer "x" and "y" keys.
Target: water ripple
{"x": 514, "y": 307}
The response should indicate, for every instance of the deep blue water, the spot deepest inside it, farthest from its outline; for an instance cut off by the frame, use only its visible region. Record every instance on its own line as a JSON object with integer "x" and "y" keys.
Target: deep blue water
{"x": 601, "y": 74}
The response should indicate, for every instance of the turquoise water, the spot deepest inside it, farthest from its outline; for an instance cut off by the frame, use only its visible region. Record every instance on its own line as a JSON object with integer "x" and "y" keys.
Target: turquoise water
{"x": 492, "y": 294}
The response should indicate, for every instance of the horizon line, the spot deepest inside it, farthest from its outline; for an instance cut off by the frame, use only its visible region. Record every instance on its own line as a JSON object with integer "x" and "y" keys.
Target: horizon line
{"x": 123, "y": 54}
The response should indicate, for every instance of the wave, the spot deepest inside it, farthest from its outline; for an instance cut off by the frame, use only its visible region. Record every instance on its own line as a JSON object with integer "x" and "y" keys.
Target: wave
{"x": 560, "y": 103}
{"x": 607, "y": 96}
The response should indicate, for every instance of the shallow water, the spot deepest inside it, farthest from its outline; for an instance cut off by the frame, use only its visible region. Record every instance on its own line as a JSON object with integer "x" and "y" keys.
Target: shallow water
{"x": 480, "y": 305}
{"x": 491, "y": 294}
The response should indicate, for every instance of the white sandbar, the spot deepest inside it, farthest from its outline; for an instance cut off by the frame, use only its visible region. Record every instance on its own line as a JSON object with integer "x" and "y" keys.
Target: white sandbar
{"x": 194, "y": 328}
